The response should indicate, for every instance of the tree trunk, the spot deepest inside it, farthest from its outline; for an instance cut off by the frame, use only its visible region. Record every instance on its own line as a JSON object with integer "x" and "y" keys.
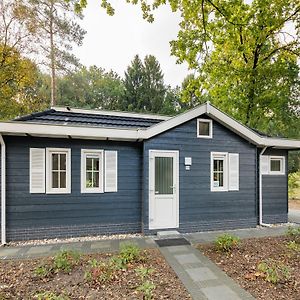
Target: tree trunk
{"x": 52, "y": 57}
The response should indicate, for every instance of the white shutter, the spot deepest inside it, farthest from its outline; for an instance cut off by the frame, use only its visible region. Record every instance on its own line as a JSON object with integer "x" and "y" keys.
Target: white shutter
{"x": 37, "y": 170}
{"x": 233, "y": 184}
{"x": 111, "y": 172}
{"x": 264, "y": 164}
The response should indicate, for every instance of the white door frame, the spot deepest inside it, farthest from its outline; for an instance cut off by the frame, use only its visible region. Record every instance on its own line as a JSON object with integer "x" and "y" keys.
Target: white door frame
{"x": 152, "y": 155}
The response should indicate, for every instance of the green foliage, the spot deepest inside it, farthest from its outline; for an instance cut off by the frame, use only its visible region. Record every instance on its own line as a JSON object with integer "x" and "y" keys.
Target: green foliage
{"x": 293, "y": 245}
{"x": 293, "y": 183}
{"x": 42, "y": 271}
{"x": 129, "y": 253}
{"x": 147, "y": 288}
{"x": 50, "y": 296}
{"x": 274, "y": 271}
{"x": 100, "y": 272}
{"x": 65, "y": 261}
{"x": 91, "y": 87}
{"x": 144, "y": 272}
{"x": 226, "y": 242}
{"x": 293, "y": 232}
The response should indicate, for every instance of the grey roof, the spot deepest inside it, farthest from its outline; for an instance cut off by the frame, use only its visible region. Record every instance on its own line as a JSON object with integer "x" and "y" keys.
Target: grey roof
{"x": 55, "y": 117}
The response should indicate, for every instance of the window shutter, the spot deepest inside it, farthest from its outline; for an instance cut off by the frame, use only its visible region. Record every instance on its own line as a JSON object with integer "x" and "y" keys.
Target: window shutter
{"x": 233, "y": 172}
{"x": 264, "y": 164}
{"x": 111, "y": 174}
{"x": 37, "y": 170}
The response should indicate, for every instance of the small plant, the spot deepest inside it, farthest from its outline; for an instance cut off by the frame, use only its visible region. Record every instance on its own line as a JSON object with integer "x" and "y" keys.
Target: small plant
{"x": 147, "y": 289}
{"x": 226, "y": 242}
{"x": 274, "y": 271}
{"x": 65, "y": 260}
{"x": 42, "y": 271}
{"x": 293, "y": 232}
{"x": 129, "y": 253}
{"x": 293, "y": 245}
{"x": 50, "y": 296}
{"x": 100, "y": 271}
{"x": 144, "y": 272}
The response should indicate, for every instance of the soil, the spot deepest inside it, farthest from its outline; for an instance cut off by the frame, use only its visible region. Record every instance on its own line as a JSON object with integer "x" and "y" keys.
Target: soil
{"x": 241, "y": 264}
{"x": 18, "y": 281}
{"x": 294, "y": 204}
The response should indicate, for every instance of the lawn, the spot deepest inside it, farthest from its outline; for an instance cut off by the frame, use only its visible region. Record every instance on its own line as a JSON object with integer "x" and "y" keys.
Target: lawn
{"x": 130, "y": 274}
{"x": 266, "y": 267}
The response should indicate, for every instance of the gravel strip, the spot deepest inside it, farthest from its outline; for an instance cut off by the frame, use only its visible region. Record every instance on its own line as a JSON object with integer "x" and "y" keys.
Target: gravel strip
{"x": 75, "y": 239}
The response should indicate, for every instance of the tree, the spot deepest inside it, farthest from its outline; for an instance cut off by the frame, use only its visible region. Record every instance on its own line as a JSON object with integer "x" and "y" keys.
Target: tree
{"x": 153, "y": 91}
{"x": 133, "y": 83}
{"x": 245, "y": 57}
{"x": 55, "y": 33}
{"x": 91, "y": 88}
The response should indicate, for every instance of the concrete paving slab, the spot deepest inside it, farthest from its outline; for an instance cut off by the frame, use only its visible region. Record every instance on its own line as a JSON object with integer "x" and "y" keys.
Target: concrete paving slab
{"x": 39, "y": 250}
{"x": 100, "y": 245}
{"x": 8, "y": 251}
{"x": 189, "y": 258}
{"x": 201, "y": 274}
{"x": 176, "y": 249}
{"x": 220, "y": 292}
{"x": 294, "y": 216}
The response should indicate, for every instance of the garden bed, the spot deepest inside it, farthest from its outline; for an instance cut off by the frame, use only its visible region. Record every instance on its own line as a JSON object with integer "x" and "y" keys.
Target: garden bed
{"x": 95, "y": 276}
{"x": 250, "y": 261}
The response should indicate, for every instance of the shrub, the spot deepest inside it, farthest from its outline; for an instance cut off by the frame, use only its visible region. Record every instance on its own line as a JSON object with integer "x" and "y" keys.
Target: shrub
{"x": 43, "y": 271}
{"x": 294, "y": 233}
{"x": 293, "y": 183}
{"x": 226, "y": 242}
{"x": 50, "y": 296}
{"x": 293, "y": 245}
{"x": 65, "y": 260}
{"x": 147, "y": 289}
{"x": 100, "y": 271}
{"x": 129, "y": 253}
{"x": 274, "y": 271}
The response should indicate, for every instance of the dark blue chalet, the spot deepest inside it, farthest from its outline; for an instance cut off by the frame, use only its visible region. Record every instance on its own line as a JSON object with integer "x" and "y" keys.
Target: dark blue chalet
{"x": 69, "y": 172}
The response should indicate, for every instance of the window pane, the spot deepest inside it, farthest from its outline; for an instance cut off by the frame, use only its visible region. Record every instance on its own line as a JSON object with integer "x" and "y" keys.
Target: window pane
{"x": 62, "y": 162}
{"x": 221, "y": 179}
{"x": 163, "y": 175}
{"x": 275, "y": 165}
{"x": 96, "y": 164}
{"x": 96, "y": 179}
{"x": 55, "y": 180}
{"x": 203, "y": 128}
{"x": 63, "y": 183}
{"x": 54, "y": 161}
{"x": 89, "y": 180}
{"x": 89, "y": 163}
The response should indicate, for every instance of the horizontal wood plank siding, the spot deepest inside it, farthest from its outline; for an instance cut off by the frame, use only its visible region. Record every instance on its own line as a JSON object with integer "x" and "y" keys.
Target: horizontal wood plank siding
{"x": 201, "y": 209}
{"x": 76, "y": 213}
{"x": 275, "y": 192}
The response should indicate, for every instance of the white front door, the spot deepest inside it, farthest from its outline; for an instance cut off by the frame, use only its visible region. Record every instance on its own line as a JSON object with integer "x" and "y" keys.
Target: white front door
{"x": 163, "y": 189}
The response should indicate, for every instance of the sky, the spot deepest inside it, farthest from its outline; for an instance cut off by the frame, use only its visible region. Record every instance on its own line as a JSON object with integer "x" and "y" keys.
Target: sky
{"x": 112, "y": 42}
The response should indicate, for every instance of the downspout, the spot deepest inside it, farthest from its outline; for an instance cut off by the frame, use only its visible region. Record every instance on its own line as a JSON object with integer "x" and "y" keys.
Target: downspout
{"x": 261, "y": 223}
{"x": 3, "y": 191}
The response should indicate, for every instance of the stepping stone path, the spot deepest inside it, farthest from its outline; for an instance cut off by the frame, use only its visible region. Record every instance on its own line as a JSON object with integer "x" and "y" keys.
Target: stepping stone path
{"x": 201, "y": 277}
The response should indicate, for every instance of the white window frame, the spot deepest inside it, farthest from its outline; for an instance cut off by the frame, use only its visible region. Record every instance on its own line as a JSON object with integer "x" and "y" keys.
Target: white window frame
{"x": 282, "y": 165}
{"x": 210, "y": 128}
{"x": 49, "y": 188}
{"x": 224, "y": 156}
{"x": 100, "y": 154}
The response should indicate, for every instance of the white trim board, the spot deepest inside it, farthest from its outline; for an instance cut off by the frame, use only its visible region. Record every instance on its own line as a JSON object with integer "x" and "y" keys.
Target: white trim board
{"x": 110, "y": 113}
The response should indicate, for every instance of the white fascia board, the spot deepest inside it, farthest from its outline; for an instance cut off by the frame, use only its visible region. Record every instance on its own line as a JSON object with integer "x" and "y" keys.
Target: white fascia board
{"x": 111, "y": 113}
{"x": 175, "y": 121}
{"x": 65, "y": 131}
{"x": 235, "y": 126}
{"x": 281, "y": 143}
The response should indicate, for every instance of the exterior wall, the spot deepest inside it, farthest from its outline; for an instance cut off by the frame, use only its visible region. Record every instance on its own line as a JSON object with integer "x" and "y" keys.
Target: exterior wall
{"x": 275, "y": 192}
{"x": 33, "y": 216}
{"x": 199, "y": 208}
